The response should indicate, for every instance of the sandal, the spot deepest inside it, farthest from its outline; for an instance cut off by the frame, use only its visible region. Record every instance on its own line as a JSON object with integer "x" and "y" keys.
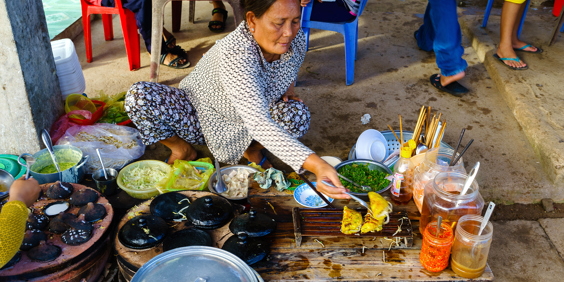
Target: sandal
{"x": 539, "y": 50}
{"x": 180, "y": 54}
{"x": 453, "y": 88}
{"x": 502, "y": 60}
{"x": 171, "y": 40}
{"x": 221, "y": 25}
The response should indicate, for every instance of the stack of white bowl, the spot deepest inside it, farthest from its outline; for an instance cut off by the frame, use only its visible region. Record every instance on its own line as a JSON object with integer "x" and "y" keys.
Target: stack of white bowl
{"x": 371, "y": 145}
{"x": 69, "y": 71}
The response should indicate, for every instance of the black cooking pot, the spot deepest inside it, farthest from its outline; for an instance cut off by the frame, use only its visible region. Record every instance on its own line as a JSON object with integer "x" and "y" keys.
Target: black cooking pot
{"x": 210, "y": 212}
{"x": 142, "y": 232}
{"x": 250, "y": 250}
{"x": 253, "y": 224}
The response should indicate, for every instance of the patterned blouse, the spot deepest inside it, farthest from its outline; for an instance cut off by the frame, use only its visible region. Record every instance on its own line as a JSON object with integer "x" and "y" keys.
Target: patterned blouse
{"x": 232, "y": 87}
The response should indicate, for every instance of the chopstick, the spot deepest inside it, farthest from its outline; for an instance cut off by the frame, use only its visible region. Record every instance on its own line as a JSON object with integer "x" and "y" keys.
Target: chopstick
{"x": 440, "y": 136}
{"x": 394, "y": 133}
{"x": 315, "y": 190}
{"x": 401, "y": 132}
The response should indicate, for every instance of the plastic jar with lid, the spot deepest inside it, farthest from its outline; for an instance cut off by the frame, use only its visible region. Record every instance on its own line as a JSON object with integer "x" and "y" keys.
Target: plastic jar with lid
{"x": 433, "y": 164}
{"x": 470, "y": 251}
{"x": 435, "y": 249}
{"x": 442, "y": 197}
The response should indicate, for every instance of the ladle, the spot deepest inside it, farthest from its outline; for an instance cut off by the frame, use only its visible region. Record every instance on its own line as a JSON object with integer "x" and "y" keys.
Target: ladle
{"x": 470, "y": 178}
{"x": 29, "y": 161}
{"x": 220, "y": 185}
{"x": 102, "y": 162}
{"x": 47, "y": 141}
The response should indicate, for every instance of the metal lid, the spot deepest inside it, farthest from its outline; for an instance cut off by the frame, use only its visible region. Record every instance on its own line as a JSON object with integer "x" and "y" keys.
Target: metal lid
{"x": 253, "y": 224}
{"x": 142, "y": 232}
{"x": 210, "y": 212}
{"x": 195, "y": 263}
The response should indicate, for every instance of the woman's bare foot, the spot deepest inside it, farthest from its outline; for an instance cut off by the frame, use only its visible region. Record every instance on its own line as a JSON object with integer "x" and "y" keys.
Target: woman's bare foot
{"x": 508, "y": 52}
{"x": 181, "y": 150}
{"x": 254, "y": 154}
{"x": 518, "y": 44}
{"x": 446, "y": 80}
{"x": 170, "y": 56}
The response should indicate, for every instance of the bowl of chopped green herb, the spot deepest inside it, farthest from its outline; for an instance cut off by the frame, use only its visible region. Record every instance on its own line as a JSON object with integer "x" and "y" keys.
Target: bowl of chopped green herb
{"x": 365, "y": 172}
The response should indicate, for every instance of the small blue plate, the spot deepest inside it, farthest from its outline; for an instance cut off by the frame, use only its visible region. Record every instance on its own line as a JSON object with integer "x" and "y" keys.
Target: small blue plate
{"x": 306, "y": 197}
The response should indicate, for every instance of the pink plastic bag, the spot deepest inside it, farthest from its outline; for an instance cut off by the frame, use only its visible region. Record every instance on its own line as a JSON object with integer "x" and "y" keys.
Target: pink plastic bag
{"x": 63, "y": 123}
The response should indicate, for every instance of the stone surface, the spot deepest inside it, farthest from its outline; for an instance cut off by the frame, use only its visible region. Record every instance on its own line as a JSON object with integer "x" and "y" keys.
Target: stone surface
{"x": 547, "y": 205}
{"x": 554, "y": 227}
{"x": 30, "y": 95}
{"x": 391, "y": 78}
{"x": 521, "y": 251}
{"x": 533, "y": 95}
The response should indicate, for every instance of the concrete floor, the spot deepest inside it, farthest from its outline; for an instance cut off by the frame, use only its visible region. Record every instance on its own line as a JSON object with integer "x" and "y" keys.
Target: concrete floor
{"x": 391, "y": 78}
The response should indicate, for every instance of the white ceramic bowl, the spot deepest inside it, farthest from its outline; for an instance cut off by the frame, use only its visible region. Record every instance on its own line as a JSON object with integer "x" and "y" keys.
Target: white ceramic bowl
{"x": 371, "y": 144}
{"x": 332, "y": 160}
{"x": 306, "y": 197}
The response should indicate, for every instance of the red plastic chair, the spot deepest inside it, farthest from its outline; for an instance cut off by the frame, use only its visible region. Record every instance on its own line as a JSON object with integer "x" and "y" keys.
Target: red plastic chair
{"x": 128, "y": 26}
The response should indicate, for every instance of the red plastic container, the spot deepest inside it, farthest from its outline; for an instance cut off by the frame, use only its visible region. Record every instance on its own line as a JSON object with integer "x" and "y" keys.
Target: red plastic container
{"x": 557, "y": 7}
{"x": 95, "y": 116}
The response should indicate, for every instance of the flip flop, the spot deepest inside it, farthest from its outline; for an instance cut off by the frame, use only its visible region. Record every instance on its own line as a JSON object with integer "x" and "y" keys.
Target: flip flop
{"x": 453, "y": 88}
{"x": 502, "y": 60}
{"x": 221, "y": 25}
{"x": 539, "y": 50}
{"x": 180, "y": 54}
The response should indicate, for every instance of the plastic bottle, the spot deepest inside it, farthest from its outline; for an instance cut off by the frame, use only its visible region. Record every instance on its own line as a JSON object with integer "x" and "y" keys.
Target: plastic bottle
{"x": 403, "y": 177}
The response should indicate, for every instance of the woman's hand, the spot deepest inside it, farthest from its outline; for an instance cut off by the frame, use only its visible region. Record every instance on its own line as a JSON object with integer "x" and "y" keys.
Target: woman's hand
{"x": 26, "y": 191}
{"x": 325, "y": 171}
{"x": 290, "y": 94}
{"x": 305, "y": 2}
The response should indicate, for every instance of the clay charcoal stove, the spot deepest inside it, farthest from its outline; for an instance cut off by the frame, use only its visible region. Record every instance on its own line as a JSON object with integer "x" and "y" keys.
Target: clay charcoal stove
{"x": 93, "y": 212}
{"x": 83, "y": 197}
{"x": 59, "y": 224}
{"x": 59, "y": 190}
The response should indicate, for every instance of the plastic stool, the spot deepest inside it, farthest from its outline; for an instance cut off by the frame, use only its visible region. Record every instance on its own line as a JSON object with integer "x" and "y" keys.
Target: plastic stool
{"x": 128, "y": 26}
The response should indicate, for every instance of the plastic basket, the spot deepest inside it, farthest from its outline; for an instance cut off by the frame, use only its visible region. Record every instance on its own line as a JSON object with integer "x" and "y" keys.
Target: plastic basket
{"x": 392, "y": 144}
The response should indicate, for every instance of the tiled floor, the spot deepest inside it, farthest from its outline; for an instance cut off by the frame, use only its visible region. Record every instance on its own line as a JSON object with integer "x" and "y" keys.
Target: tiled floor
{"x": 60, "y": 14}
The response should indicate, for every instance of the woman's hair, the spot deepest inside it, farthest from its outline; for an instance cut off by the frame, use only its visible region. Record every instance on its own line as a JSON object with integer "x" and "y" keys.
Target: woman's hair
{"x": 258, "y": 7}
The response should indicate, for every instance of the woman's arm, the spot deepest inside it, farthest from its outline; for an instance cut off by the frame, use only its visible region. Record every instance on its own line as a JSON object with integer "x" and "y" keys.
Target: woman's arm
{"x": 23, "y": 193}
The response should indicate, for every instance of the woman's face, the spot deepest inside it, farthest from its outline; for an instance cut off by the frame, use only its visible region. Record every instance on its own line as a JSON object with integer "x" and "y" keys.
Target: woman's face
{"x": 276, "y": 29}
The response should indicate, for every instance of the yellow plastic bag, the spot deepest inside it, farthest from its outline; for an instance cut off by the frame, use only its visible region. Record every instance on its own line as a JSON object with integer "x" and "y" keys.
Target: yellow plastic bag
{"x": 186, "y": 175}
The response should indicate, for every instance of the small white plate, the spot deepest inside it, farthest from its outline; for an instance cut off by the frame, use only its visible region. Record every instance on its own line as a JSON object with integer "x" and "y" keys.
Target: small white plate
{"x": 306, "y": 197}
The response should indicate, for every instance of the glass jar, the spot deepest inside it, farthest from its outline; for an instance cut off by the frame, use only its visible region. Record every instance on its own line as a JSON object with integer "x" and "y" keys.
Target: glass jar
{"x": 442, "y": 197}
{"x": 435, "y": 249}
{"x": 433, "y": 164}
{"x": 470, "y": 251}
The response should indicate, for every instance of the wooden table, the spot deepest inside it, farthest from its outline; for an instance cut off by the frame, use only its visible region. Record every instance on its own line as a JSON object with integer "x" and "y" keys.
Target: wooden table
{"x": 346, "y": 258}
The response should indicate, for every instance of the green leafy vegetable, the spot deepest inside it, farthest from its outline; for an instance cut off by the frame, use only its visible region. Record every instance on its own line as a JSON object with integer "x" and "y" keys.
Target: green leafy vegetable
{"x": 363, "y": 175}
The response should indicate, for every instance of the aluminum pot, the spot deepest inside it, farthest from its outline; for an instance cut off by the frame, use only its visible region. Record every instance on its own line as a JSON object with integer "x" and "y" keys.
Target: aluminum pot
{"x": 64, "y": 154}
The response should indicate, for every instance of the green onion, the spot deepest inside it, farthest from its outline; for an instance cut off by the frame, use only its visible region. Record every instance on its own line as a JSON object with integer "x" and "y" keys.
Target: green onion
{"x": 363, "y": 175}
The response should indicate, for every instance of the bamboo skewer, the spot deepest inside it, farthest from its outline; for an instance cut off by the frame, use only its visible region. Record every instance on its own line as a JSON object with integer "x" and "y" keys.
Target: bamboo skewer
{"x": 394, "y": 134}
{"x": 401, "y": 131}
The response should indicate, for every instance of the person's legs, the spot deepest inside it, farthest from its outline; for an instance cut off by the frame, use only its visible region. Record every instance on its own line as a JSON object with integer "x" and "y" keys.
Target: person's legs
{"x": 517, "y": 44}
{"x": 217, "y": 17}
{"x": 164, "y": 114}
{"x": 426, "y": 33}
{"x": 508, "y": 30}
{"x": 447, "y": 42}
{"x": 293, "y": 116}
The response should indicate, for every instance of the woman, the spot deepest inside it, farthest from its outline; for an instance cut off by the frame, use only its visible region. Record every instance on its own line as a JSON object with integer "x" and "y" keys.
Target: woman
{"x": 13, "y": 217}
{"x": 510, "y": 15}
{"x": 239, "y": 98}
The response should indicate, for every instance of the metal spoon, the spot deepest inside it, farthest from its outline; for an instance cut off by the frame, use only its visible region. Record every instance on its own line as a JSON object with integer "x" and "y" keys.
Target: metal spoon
{"x": 421, "y": 148}
{"x": 362, "y": 187}
{"x": 439, "y": 226}
{"x": 359, "y": 200}
{"x": 220, "y": 186}
{"x": 47, "y": 141}
{"x": 485, "y": 221}
{"x": 103, "y": 167}
{"x": 29, "y": 161}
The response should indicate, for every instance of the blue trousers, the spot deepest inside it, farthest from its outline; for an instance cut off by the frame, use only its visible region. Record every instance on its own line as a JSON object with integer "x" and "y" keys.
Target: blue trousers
{"x": 440, "y": 33}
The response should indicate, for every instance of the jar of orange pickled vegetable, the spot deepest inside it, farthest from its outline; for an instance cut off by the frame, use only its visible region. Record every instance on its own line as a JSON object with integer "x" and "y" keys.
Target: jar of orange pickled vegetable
{"x": 435, "y": 250}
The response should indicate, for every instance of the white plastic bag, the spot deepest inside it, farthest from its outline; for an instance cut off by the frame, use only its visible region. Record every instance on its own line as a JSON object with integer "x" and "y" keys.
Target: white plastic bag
{"x": 118, "y": 145}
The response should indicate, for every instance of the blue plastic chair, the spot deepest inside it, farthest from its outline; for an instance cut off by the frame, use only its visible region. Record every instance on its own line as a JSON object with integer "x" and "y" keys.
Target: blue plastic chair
{"x": 489, "y": 9}
{"x": 348, "y": 29}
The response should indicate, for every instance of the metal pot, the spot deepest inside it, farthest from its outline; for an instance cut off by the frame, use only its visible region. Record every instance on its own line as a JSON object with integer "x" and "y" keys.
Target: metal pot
{"x": 64, "y": 154}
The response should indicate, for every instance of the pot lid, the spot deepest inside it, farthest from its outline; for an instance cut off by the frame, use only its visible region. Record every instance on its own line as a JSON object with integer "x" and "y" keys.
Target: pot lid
{"x": 195, "y": 263}
{"x": 10, "y": 164}
{"x": 187, "y": 237}
{"x": 253, "y": 224}
{"x": 210, "y": 212}
{"x": 250, "y": 250}
{"x": 142, "y": 232}
{"x": 170, "y": 206}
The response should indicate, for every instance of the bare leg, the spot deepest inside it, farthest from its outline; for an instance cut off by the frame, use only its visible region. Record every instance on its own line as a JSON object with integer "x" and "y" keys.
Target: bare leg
{"x": 509, "y": 26}
{"x": 217, "y": 16}
{"x": 181, "y": 150}
{"x": 170, "y": 56}
{"x": 515, "y": 42}
{"x": 253, "y": 154}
